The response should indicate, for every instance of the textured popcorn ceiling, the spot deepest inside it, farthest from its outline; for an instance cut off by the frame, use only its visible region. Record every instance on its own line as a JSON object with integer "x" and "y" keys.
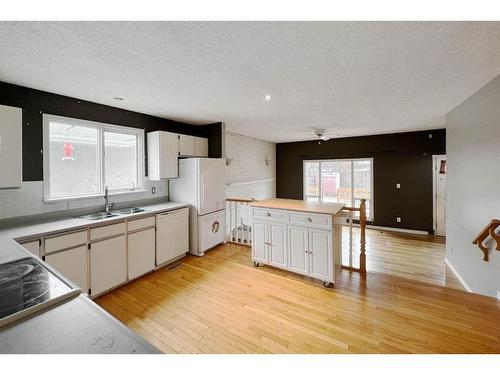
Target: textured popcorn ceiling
{"x": 350, "y": 78}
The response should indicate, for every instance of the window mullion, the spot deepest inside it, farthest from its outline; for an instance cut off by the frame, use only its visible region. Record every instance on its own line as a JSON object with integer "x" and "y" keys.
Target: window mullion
{"x": 320, "y": 182}
{"x": 102, "y": 157}
{"x": 352, "y": 183}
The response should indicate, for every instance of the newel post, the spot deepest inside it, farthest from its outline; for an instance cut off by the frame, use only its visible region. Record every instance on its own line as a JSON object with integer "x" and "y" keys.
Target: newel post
{"x": 362, "y": 225}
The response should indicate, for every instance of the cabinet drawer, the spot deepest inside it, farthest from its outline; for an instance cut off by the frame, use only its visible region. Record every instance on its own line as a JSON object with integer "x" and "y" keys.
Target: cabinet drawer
{"x": 65, "y": 241}
{"x": 310, "y": 219}
{"x": 263, "y": 213}
{"x": 107, "y": 231}
{"x": 33, "y": 247}
{"x": 141, "y": 223}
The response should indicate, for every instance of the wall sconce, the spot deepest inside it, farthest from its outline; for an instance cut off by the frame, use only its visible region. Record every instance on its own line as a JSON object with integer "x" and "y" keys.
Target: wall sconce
{"x": 229, "y": 161}
{"x": 267, "y": 161}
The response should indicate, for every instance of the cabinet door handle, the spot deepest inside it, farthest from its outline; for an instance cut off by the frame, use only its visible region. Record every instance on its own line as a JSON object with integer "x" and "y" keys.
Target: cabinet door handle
{"x": 308, "y": 219}
{"x": 268, "y": 214}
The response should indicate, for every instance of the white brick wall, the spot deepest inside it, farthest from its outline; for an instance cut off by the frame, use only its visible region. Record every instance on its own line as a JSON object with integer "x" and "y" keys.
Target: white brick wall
{"x": 248, "y": 175}
{"x": 28, "y": 200}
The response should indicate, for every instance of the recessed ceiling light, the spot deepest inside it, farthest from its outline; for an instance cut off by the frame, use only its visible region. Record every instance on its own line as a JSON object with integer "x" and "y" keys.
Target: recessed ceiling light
{"x": 268, "y": 97}
{"x": 118, "y": 98}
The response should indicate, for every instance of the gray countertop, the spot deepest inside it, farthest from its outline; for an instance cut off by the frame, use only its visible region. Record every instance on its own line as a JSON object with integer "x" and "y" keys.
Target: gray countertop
{"x": 76, "y": 325}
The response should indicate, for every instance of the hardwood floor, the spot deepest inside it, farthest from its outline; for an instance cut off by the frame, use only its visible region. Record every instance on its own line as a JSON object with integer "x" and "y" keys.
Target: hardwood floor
{"x": 415, "y": 257}
{"x": 220, "y": 303}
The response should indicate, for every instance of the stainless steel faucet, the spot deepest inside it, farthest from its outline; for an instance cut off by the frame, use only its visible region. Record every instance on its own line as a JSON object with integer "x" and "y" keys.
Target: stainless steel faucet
{"x": 106, "y": 199}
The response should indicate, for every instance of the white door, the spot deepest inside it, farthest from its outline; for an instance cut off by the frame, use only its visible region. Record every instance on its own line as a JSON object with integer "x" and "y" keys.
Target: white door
{"x": 141, "y": 252}
{"x": 277, "y": 245}
{"x": 186, "y": 145}
{"x": 11, "y": 155}
{"x": 440, "y": 194}
{"x": 108, "y": 264}
{"x": 212, "y": 185}
{"x": 168, "y": 155}
{"x": 298, "y": 257}
{"x": 172, "y": 235}
{"x": 211, "y": 230}
{"x": 259, "y": 241}
{"x": 201, "y": 147}
{"x": 320, "y": 253}
{"x": 73, "y": 264}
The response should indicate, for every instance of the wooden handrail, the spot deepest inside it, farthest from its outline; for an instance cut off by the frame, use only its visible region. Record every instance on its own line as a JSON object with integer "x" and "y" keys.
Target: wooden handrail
{"x": 362, "y": 240}
{"x": 488, "y": 231}
{"x": 241, "y": 200}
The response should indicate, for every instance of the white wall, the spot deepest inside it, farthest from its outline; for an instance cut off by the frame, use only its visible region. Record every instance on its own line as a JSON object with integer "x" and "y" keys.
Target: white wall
{"x": 248, "y": 176}
{"x": 28, "y": 200}
{"x": 473, "y": 181}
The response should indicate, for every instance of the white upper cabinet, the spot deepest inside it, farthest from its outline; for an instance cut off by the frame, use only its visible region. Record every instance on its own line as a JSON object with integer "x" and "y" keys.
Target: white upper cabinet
{"x": 186, "y": 145}
{"x": 163, "y": 151}
{"x": 11, "y": 154}
{"x": 201, "y": 147}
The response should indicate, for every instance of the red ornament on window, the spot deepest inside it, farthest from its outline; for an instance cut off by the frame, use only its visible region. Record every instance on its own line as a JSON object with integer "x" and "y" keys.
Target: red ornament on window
{"x": 68, "y": 151}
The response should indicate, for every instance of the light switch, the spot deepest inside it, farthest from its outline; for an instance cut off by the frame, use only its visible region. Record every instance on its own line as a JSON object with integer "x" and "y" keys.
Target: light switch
{"x": 398, "y": 186}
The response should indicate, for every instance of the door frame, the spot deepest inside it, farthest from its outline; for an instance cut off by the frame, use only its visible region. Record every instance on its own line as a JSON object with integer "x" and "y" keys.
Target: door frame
{"x": 434, "y": 189}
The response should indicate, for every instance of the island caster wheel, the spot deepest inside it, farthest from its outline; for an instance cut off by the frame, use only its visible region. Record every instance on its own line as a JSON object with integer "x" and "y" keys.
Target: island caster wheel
{"x": 326, "y": 284}
{"x": 256, "y": 264}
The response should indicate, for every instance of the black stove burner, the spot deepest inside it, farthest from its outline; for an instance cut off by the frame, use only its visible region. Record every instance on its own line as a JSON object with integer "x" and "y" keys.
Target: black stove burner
{"x": 25, "y": 283}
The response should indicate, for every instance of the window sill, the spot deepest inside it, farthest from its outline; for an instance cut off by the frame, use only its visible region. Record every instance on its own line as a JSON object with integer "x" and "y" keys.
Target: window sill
{"x": 95, "y": 196}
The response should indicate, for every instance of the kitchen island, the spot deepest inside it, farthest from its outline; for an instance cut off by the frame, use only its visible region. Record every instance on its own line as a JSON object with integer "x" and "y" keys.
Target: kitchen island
{"x": 299, "y": 236}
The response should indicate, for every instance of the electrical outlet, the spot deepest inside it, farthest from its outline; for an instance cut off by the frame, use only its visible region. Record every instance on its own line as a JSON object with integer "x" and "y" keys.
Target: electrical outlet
{"x": 153, "y": 190}
{"x": 498, "y": 295}
{"x": 398, "y": 186}
{"x": 398, "y": 219}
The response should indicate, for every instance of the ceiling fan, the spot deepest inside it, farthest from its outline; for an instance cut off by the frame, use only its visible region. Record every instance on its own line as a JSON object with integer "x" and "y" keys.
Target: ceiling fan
{"x": 321, "y": 134}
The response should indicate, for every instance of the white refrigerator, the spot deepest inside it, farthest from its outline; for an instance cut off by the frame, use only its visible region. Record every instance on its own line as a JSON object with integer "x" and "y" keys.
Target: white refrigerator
{"x": 201, "y": 183}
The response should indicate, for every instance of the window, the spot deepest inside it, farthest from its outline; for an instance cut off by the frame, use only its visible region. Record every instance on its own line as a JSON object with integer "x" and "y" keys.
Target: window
{"x": 82, "y": 157}
{"x": 340, "y": 181}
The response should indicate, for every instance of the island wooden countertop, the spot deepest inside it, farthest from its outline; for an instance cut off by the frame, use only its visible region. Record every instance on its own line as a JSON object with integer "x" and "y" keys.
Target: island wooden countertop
{"x": 300, "y": 205}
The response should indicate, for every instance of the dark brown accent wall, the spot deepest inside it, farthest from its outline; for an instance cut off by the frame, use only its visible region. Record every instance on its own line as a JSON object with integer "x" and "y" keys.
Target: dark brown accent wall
{"x": 404, "y": 158}
{"x": 35, "y": 102}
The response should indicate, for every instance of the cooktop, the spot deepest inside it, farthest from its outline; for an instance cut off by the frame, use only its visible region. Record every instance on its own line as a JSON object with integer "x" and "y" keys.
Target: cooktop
{"x": 26, "y": 284}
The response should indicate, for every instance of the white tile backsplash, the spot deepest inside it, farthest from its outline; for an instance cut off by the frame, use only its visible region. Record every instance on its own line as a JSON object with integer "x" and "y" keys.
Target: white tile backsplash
{"x": 28, "y": 200}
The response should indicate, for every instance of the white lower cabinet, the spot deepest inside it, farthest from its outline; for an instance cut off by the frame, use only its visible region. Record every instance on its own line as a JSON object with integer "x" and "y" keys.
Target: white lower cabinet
{"x": 141, "y": 252}
{"x": 108, "y": 264}
{"x": 73, "y": 264}
{"x": 277, "y": 245}
{"x": 320, "y": 254}
{"x": 269, "y": 243}
{"x": 259, "y": 241}
{"x": 298, "y": 249}
{"x": 172, "y": 235}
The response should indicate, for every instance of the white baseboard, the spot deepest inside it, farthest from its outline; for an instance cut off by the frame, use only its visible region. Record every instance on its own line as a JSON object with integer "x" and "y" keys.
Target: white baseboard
{"x": 391, "y": 229}
{"x": 457, "y": 275}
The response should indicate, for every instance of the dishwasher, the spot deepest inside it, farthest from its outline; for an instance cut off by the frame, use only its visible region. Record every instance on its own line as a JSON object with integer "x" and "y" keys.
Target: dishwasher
{"x": 172, "y": 235}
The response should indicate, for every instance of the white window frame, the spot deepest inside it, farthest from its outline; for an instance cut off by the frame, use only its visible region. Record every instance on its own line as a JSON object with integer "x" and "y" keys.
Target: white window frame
{"x": 372, "y": 206}
{"x": 102, "y": 128}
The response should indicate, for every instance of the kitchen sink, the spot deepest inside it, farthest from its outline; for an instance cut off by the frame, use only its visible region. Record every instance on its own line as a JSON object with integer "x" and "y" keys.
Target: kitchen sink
{"x": 98, "y": 215}
{"x": 127, "y": 211}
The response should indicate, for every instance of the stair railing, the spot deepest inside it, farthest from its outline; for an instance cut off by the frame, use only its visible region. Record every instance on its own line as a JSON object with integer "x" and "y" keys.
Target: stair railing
{"x": 239, "y": 221}
{"x": 362, "y": 240}
{"x": 488, "y": 231}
